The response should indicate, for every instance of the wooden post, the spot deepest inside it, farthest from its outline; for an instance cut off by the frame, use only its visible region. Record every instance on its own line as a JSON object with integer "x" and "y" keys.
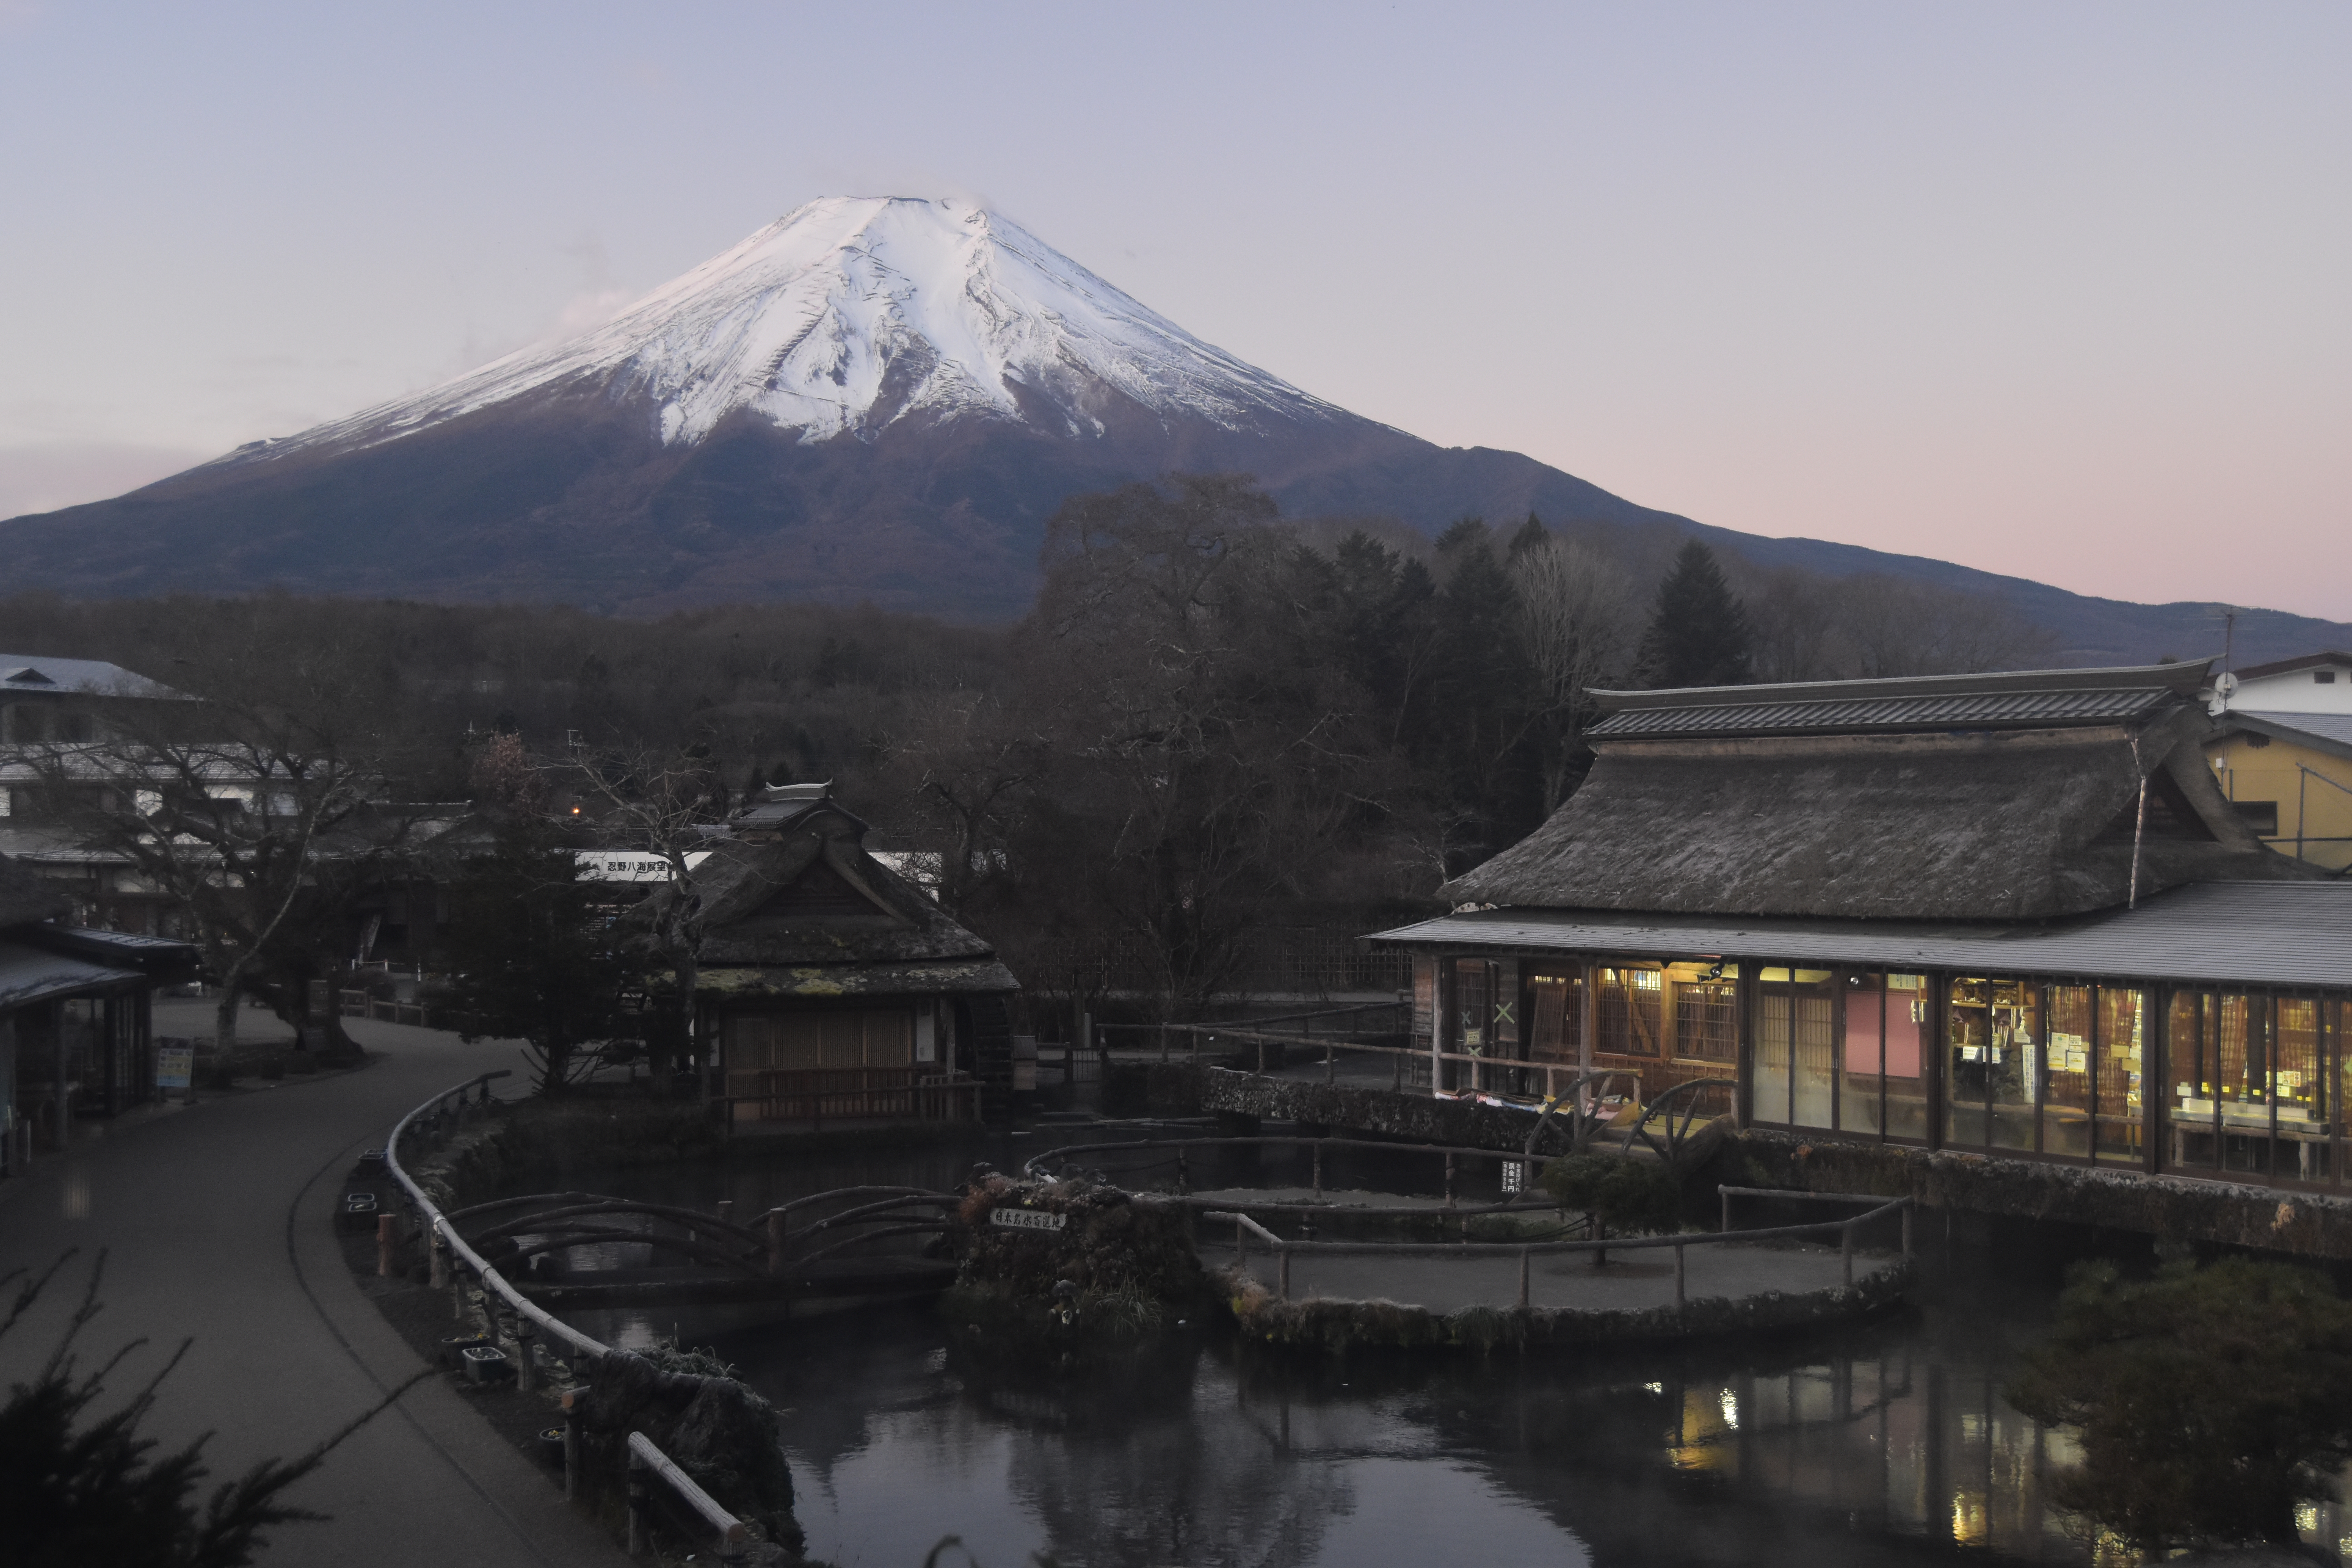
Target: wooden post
{"x": 1396, "y": 1079}
{"x": 1600, "y": 1233}
{"x": 1284, "y": 1274}
{"x": 1727, "y": 1211}
{"x": 1241, "y": 1245}
{"x": 383, "y": 1245}
{"x": 1318, "y": 1173}
{"x": 1523, "y": 1279}
{"x": 1449, "y": 1181}
{"x": 1184, "y": 1171}
{"x": 526, "y": 1373}
{"x": 1845, "y": 1250}
{"x": 1261, "y": 1059}
{"x": 1330, "y": 1062}
{"x": 457, "y": 1294}
{"x": 777, "y": 1237}
{"x": 638, "y": 1488}
{"x": 572, "y": 1477}
{"x": 1679, "y": 1297}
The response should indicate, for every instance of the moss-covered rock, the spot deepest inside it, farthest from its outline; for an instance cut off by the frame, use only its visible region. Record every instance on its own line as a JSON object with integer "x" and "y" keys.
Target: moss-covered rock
{"x": 1086, "y": 1264}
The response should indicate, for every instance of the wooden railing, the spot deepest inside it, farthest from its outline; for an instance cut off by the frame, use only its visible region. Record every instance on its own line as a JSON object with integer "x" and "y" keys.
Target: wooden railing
{"x": 817, "y": 1096}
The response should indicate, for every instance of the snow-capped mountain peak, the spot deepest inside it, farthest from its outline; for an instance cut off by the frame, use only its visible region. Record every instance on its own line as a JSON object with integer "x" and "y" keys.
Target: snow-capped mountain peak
{"x": 849, "y": 314}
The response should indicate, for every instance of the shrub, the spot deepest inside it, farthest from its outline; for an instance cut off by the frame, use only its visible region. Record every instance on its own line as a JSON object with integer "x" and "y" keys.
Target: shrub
{"x": 2210, "y": 1402}
{"x": 1631, "y": 1197}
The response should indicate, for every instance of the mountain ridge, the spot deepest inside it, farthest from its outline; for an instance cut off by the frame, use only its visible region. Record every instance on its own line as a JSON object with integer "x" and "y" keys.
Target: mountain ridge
{"x": 872, "y": 398}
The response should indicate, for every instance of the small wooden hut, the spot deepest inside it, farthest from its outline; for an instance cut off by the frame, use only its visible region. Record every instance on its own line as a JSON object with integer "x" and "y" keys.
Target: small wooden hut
{"x": 834, "y": 989}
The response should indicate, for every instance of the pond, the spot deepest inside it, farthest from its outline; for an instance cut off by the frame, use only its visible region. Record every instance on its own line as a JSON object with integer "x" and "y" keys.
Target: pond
{"x": 1881, "y": 1442}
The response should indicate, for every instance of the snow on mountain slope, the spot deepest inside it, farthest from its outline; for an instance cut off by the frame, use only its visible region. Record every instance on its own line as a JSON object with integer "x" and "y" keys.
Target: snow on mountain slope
{"x": 851, "y": 313}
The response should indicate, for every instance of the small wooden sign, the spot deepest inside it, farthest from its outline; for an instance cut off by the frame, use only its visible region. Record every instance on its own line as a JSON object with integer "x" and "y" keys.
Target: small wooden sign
{"x": 1027, "y": 1219}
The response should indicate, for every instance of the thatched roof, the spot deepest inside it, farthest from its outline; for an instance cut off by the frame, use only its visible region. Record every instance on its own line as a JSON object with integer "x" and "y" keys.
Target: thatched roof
{"x": 1925, "y": 823}
{"x": 26, "y": 898}
{"x": 802, "y": 895}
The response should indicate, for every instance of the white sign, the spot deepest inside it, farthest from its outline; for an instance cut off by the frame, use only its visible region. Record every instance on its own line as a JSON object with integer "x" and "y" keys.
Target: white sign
{"x": 1027, "y": 1219}
{"x": 173, "y": 1065}
{"x": 630, "y": 865}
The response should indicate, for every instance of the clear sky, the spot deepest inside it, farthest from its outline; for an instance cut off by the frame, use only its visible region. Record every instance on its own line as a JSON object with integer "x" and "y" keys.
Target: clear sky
{"x": 2057, "y": 290}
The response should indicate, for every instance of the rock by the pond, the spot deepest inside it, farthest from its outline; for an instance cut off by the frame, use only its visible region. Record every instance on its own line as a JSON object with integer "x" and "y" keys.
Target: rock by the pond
{"x": 1074, "y": 1261}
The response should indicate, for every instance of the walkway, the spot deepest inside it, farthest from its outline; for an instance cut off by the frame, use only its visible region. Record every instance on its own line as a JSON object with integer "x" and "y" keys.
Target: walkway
{"x": 216, "y": 1222}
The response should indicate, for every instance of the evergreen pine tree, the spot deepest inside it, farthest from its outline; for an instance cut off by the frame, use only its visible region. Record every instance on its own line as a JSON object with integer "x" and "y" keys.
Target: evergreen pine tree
{"x": 1698, "y": 633}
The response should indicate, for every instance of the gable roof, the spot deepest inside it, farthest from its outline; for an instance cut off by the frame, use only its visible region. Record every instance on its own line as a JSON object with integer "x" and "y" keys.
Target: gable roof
{"x": 91, "y": 677}
{"x": 792, "y": 886}
{"x": 2324, "y": 659}
{"x": 1851, "y": 809}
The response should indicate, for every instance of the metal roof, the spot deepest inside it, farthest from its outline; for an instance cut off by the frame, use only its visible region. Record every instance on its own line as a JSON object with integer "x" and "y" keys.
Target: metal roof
{"x": 2331, "y": 732}
{"x": 22, "y": 672}
{"x": 2028, "y": 710}
{"x": 2222, "y": 934}
{"x": 31, "y": 974}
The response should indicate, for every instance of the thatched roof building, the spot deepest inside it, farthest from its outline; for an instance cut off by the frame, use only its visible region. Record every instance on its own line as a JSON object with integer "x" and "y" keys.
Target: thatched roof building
{"x": 837, "y": 989}
{"x": 2008, "y": 797}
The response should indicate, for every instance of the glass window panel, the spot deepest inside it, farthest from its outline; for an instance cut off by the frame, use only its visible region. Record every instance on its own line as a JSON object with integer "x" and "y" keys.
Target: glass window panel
{"x": 2067, "y": 1069}
{"x": 1813, "y": 1085}
{"x": 1906, "y": 1033}
{"x": 2012, "y": 1054}
{"x": 2339, "y": 1051}
{"x": 1967, "y": 1063}
{"x": 2194, "y": 1143}
{"x": 2122, "y": 1047}
{"x": 2296, "y": 1088}
{"x": 1771, "y": 1082}
{"x": 2241, "y": 1057}
{"x": 1865, "y": 1053}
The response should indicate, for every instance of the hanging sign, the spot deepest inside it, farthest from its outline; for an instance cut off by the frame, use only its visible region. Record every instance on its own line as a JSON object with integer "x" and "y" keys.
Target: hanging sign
{"x": 1027, "y": 1219}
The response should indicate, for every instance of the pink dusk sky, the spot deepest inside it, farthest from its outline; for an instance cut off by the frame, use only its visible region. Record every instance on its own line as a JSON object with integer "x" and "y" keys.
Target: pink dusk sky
{"x": 2057, "y": 291}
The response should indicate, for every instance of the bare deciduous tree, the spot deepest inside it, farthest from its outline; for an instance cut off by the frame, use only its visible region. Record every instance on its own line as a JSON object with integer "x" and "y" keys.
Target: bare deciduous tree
{"x": 1573, "y": 609}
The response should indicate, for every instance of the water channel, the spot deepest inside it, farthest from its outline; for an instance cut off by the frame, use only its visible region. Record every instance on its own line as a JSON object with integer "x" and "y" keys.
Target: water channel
{"x": 1880, "y": 1443}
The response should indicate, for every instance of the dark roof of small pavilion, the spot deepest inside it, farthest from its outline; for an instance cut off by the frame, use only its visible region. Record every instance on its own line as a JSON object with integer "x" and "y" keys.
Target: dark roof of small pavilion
{"x": 2010, "y": 796}
{"x": 791, "y": 887}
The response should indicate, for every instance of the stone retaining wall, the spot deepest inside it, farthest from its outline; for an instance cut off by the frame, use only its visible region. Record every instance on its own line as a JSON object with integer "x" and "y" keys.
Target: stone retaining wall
{"x": 1342, "y": 1326}
{"x": 2172, "y": 1208}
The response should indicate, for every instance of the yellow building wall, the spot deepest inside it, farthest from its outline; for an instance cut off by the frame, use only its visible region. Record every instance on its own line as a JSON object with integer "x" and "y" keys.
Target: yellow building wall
{"x": 2317, "y": 807}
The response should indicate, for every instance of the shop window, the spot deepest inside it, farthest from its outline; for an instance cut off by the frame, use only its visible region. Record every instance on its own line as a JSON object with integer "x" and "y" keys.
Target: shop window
{"x": 1879, "y": 1088}
{"x": 2119, "y": 1115}
{"x": 2298, "y": 1097}
{"x": 1995, "y": 1035}
{"x": 1862, "y": 1088}
{"x": 2067, "y": 1069}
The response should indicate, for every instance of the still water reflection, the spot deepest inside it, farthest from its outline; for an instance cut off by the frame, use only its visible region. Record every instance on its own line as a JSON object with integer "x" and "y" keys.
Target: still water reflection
{"x": 1884, "y": 1442}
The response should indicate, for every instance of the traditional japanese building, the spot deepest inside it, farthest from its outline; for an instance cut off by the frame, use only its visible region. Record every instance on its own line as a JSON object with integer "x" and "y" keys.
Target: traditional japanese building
{"x": 2010, "y": 913}
{"x": 833, "y": 989}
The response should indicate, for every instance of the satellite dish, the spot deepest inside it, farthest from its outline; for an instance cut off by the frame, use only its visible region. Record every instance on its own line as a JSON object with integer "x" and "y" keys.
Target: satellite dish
{"x": 2225, "y": 683}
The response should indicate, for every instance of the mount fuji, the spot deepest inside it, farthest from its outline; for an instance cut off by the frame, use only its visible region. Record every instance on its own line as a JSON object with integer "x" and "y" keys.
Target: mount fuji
{"x": 870, "y": 399}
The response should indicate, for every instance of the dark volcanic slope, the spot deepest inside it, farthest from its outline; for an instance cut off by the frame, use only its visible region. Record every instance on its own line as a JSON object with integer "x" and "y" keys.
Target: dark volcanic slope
{"x": 570, "y": 499}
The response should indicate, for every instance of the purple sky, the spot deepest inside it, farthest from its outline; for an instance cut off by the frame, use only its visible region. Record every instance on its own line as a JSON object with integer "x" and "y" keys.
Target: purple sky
{"x": 2057, "y": 291}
